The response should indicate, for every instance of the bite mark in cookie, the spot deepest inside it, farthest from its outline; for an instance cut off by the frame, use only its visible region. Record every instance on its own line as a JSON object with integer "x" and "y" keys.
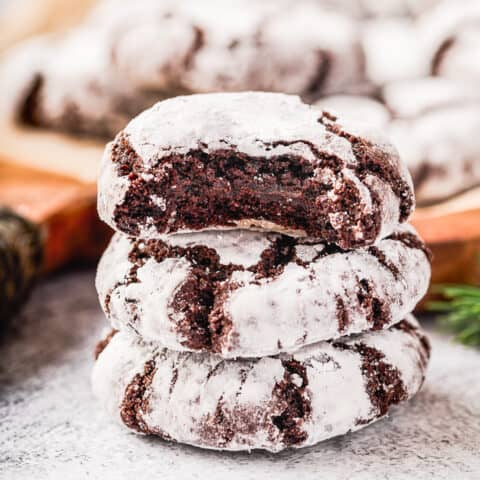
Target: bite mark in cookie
{"x": 225, "y": 187}
{"x": 295, "y": 174}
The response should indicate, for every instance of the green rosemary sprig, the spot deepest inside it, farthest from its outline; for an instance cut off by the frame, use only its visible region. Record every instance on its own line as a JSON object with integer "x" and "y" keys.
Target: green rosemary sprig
{"x": 459, "y": 312}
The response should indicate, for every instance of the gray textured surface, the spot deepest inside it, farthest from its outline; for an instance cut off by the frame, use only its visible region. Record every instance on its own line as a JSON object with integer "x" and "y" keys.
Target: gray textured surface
{"x": 50, "y": 426}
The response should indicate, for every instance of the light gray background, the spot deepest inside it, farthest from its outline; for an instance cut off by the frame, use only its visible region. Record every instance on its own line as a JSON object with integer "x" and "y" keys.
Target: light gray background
{"x": 51, "y": 426}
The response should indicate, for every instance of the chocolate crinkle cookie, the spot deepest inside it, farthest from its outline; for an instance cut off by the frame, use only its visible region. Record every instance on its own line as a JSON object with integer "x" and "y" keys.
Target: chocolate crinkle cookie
{"x": 66, "y": 86}
{"x": 127, "y": 55}
{"x": 271, "y": 403}
{"x": 434, "y": 123}
{"x": 451, "y": 35}
{"x": 249, "y": 294}
{"x": 261, "y": 161}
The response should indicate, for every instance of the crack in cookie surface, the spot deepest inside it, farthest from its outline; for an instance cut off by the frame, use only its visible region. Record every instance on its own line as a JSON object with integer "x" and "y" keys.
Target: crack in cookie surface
{"x": 102, "y": 344}
{"x": 291, "y": 393}
{"x": 383, "y": 382}
{"x": 440, "y": 55}
{"x": 372, "y": 160}
{"x": 136, "y": 399}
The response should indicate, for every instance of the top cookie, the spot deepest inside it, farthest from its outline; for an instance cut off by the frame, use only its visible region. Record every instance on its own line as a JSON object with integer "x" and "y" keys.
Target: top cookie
{"x": 252, "y": 160}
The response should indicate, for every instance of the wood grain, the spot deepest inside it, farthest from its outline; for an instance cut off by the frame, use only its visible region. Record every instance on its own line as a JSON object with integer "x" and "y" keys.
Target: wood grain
{"x": 63, "y": 207}
{"x": 53, "y": 152}
{"x": 452, "y": 231}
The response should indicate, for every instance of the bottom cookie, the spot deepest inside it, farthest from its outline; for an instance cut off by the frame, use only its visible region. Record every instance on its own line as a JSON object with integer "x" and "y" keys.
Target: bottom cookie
{"x": 272, "y": 403}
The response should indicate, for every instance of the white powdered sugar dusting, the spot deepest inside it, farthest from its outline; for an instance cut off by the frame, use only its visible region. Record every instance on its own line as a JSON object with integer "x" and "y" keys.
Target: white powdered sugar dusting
{"x": 143, "y": 304}
{"x": 111, "y": 186}
{"x": 242, "y": 247}
{"x": 356, "y": 108}
{"x": 302, "y": 303}
{"x": 250, "y": 121}
{"x": 412, "y": 98}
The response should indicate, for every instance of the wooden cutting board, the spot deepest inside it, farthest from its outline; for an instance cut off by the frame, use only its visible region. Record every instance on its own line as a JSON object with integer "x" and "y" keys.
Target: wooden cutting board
{"x": 62, "y": 208}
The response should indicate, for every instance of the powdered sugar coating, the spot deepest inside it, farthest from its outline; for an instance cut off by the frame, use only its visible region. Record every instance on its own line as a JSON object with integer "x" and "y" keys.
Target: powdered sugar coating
{"x": 410, "y": 99}
{"x": 316, "y": 295}
{"x": 250, "y": 121}
{"x": 393, "y": 50}
{"x": 436, "y": 132}
{"x": 264, "y": 125}
{"x": 386, "y": 9}
{"x": 209, "y": 402}
{"x": 241, "y": 247}
{"x": 451, "y": 35}
{"x": 357, "y": 108}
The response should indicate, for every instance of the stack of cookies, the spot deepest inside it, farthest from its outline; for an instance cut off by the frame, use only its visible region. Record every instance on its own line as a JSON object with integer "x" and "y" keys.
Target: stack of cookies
{"x": 262, "y": 277}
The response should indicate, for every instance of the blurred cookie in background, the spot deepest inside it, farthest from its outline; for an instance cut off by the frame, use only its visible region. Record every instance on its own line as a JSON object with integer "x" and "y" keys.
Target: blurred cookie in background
{"x": 434, "y": 123}
{"x": 381, "y": 9}
{"x": 120, "y": 60}
{"x": 125, "y": 56}
{"x": 451, "y": 34}
{"x": 438, "y": 138}
{"x": 292, "y": 47}
{"x": 65, "y": 85}
{"x": 392, "y": 50}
